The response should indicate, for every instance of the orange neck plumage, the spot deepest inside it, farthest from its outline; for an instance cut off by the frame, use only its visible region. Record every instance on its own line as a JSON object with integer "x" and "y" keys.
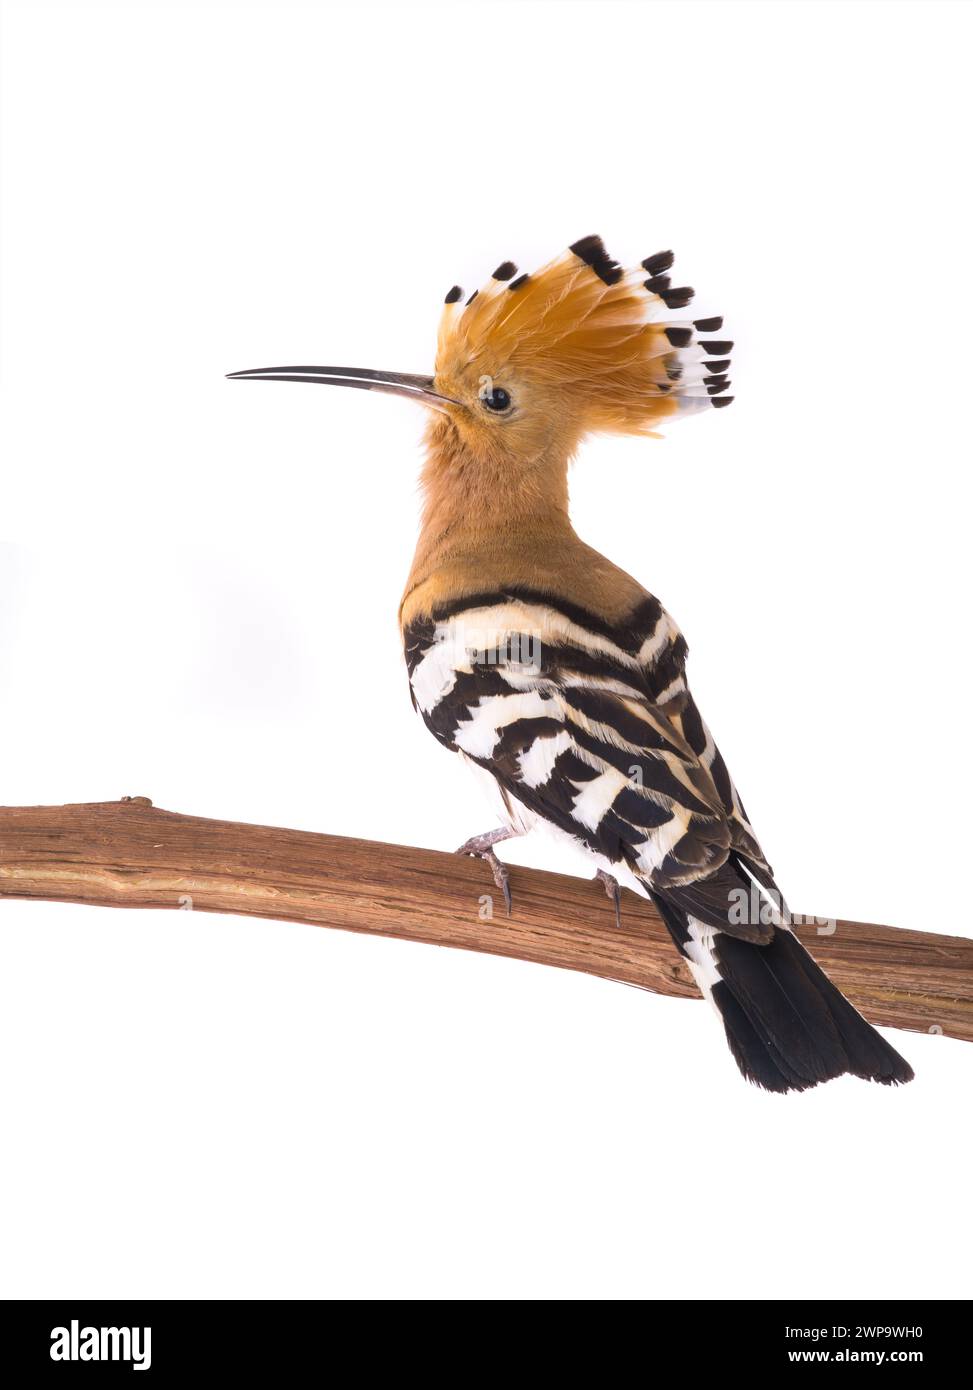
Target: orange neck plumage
{"x": 489, "y": 523}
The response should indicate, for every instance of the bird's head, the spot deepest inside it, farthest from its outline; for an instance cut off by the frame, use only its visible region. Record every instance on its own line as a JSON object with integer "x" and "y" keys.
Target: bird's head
{"x": 529, "y": 364}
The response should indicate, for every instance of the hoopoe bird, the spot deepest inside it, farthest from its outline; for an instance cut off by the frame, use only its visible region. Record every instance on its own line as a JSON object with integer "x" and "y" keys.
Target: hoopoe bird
{"x": 555, "y": 676}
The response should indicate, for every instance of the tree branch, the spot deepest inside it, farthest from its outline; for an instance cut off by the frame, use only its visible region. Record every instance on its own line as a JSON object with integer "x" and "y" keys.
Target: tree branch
{"x": 131, "y": 854}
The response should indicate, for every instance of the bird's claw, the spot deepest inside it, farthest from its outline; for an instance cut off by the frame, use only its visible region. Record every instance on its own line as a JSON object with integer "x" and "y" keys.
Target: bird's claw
{"x": 501, "y": 877}
{"x": 481, "y": 847}
{"x": 613, "y": 891}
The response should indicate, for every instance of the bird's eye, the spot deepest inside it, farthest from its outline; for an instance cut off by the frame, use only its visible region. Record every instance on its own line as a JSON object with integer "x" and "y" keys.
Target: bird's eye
{"x": 496, "y": 399}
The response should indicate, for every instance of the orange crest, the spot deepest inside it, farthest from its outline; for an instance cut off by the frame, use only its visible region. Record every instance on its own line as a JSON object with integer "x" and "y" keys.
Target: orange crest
{"x": 600, "y": 339}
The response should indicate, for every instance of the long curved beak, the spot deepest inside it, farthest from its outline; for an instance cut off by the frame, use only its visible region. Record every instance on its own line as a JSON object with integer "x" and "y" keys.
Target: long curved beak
{"x": 418, "y": 388}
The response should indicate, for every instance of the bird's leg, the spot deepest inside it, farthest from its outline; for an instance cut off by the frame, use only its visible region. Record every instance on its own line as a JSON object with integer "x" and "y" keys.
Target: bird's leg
{"x": 613, "y": 891}
{"x": 476, "y": 844}
{"x": 481, "y": 847}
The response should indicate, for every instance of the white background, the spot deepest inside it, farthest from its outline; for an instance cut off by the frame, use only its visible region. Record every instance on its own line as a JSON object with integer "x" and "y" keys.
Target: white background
{"x": 199, "y": 584}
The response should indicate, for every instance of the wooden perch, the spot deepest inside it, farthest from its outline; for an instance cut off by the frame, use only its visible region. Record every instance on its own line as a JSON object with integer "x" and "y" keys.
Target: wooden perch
{"x": 131, "y": 854}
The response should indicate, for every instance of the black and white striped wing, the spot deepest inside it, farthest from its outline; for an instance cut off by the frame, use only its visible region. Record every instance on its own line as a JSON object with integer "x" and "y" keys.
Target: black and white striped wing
{"x": 594, "y": 732}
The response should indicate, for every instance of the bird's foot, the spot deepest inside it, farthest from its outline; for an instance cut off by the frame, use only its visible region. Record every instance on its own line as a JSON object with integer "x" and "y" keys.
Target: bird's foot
{"x": 501, "y": 876}
{"x": 481, "y": 847}
{"x": 476, "y": 844}
{"x": 613, "y": 891}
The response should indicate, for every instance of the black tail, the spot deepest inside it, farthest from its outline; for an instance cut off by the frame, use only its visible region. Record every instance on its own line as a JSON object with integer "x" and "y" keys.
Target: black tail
{"x": 788, "y": 1026}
